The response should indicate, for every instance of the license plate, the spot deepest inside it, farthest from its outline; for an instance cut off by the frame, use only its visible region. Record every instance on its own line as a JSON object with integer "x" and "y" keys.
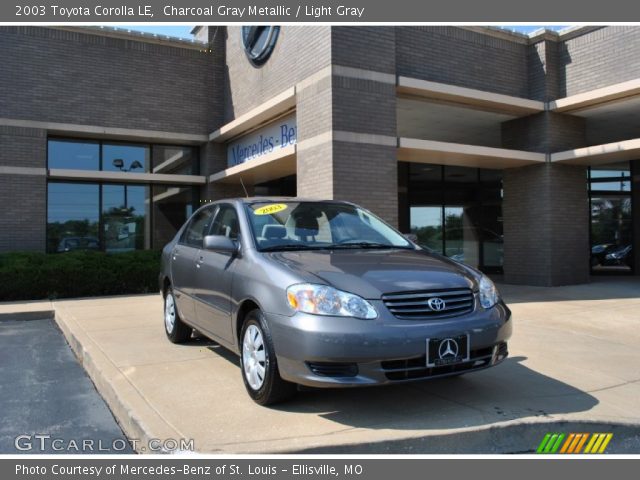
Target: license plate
{"x": 447, "y": 350}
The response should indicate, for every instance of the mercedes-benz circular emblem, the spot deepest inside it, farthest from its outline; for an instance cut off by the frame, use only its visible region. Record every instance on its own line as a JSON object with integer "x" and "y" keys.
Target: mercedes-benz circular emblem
{"x": 259, "y": 42}
{"x": 448, "y": 348}
{"x": 436, "y": 304}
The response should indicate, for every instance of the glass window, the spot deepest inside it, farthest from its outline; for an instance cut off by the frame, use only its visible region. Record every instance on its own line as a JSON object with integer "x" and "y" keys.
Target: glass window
{"x": 426, "y": 224}
{"x": 72, "y": 217}
{"x": 457, "y": 211}
{"x": 125, "y": 217}
{"x": 319, "y": 225}
{"x": 121, "y": 157}
{"x": 226, "y": 222}
{"x": 172, "y": 206}
{"x": 198, "y": 228}
{"x": 611, "y": 170}
{"x": 74, "y": 154}
{"x": 174, "y": 160}
{"x": 611, "y": 233}
{"x": 461, "y": 235}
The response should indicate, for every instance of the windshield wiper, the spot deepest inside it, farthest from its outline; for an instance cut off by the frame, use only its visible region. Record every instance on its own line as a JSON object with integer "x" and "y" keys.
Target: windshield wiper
{"x": 357, "y": 244}
{"x": 275, "y": 248}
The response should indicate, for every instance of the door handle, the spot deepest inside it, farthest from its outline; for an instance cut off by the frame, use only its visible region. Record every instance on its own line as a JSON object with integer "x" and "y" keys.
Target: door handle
{"x": 175, "y": 253}
{"x": 200, "y": 262}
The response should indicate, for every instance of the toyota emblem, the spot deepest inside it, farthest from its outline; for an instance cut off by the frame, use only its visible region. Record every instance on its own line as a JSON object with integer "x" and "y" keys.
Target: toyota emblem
{"x": 436, "y": 304}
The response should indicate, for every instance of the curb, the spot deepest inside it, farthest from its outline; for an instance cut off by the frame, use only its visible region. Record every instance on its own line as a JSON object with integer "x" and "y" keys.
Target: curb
{"x": 127, "y": 405}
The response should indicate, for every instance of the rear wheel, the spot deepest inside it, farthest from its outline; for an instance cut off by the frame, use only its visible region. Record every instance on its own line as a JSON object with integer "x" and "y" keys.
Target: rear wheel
{"x": 177, "y": 331}
{"x": 259, "y": 365}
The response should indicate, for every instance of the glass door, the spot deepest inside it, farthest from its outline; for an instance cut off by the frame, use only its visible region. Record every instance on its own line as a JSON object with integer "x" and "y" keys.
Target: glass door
{"x": 611, "y": 214}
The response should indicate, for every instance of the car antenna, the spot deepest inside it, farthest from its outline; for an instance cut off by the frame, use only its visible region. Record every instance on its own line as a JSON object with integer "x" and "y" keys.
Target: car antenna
{"x": 244, "y": 188}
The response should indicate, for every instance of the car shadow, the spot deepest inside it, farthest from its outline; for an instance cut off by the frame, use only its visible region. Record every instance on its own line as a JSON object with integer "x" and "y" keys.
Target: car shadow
{"x": 507, "y": 392}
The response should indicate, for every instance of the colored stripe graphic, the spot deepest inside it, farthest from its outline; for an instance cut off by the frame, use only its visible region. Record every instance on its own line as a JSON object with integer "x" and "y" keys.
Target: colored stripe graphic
{"x": 598, "y": 443}
{"x": 553, "y": 443}
{"x": 550, "y": 443}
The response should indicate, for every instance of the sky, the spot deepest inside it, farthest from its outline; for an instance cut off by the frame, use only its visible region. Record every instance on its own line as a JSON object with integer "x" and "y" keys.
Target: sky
{"x": 183, "y": 31}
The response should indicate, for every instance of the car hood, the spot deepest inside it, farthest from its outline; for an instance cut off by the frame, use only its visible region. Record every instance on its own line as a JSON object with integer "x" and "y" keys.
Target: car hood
{"x": 372, "y": 273}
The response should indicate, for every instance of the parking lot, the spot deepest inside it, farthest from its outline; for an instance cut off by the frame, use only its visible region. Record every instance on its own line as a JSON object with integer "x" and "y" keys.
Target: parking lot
{"x": 46, "y": 398}
{"x": 573, "y": 366}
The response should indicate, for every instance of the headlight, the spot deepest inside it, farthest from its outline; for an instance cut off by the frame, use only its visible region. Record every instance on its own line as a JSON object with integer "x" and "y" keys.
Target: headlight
{"x": 488, "y": 292}
{"x": 325, "y": 300}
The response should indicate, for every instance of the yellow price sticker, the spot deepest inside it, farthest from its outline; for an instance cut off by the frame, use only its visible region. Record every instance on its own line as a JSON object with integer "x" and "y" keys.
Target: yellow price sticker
{"x": 269, "y": 209}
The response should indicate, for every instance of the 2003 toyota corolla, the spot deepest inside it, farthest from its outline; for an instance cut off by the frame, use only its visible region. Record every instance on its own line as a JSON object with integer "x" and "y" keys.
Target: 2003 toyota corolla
{"x": 325, "y": 294}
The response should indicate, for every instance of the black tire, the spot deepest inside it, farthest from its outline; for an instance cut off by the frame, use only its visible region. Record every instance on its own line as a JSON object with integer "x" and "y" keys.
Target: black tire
{"x": 273, "y": 388}
{"x": 178, "y": 331}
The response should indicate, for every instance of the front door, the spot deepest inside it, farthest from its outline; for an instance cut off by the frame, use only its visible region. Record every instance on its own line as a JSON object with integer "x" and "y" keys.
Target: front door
{"x": 183, "y": 262}
{"x": 214, "y": 275}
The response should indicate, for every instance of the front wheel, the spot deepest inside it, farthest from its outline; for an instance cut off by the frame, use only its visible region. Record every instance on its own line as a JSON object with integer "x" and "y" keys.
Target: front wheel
{"x": 177, "y": 331}
{"x": 259, "y": 365}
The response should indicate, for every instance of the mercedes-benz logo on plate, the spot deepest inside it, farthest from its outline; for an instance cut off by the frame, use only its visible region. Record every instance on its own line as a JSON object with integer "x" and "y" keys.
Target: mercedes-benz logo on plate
{"x": 436, "y": 304}
{"x": 448, "y": 348}
{"x": 259, "y": 42}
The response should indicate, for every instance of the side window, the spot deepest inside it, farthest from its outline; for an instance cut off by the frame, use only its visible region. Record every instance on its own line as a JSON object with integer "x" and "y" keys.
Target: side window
{"x": 226, "y": 222}
{"x": 198, "y": 228}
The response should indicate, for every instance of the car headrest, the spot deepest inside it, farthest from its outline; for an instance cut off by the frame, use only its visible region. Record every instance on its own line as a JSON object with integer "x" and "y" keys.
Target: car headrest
{"x": 274, "y": 231}
{"x": 306, "y": 226}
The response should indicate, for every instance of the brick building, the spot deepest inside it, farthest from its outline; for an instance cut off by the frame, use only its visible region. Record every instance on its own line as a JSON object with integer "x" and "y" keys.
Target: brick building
{"x": 515, "y": 153}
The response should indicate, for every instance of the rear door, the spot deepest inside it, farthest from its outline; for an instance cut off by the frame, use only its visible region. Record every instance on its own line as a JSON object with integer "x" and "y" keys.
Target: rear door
{"x": 183, "y": 261}
{"x": 214, "y": 275}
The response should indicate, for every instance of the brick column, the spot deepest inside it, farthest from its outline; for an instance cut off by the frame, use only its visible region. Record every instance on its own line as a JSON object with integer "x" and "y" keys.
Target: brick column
{"x": 347, "y": 124}
{"x": 23, "y": 189}
{"x": 546, "y": 225}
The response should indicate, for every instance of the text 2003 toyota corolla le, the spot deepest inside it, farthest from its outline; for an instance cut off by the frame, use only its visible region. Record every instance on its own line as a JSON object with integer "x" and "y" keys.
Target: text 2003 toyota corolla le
{"x": 325, "y": 294}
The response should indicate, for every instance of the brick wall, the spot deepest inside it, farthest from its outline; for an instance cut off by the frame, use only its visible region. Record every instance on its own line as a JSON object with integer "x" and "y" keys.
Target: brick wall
{"x": 299, "y": 52}
{"x": 55, "y": 75}
{"x": 462, "y": 57}
{"x": 605, "y": 56}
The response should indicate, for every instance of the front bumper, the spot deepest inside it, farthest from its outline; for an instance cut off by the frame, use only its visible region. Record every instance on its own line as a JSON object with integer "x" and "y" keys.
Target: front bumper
{"x": 322, "y": 351}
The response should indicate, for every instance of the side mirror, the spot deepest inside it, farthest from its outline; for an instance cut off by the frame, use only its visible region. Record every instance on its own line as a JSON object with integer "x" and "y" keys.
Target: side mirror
{"x": 412, "y": 237}
{"x": 220, "y": 243}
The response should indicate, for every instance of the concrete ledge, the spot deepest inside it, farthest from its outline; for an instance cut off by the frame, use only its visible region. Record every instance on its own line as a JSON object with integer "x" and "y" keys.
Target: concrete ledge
{"x": 33, "y": 315}
{"x": 469, "y": 96}
{"x": 593, "y": 98}
{"x": 26, "y": 310}
{"x": 446, "y": 153}
{"x": 600, "y": 154}
{"x": 126, "y": 177}
{"x": 253, "y": 118}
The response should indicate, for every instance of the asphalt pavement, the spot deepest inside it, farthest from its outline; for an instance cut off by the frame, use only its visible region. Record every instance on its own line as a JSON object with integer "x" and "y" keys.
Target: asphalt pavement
{"x": 48, "y": 404}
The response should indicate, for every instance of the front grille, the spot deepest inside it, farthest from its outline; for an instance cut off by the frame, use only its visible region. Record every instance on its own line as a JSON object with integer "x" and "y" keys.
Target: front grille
{"x": 415, "y": 305}
{"x": 333, "y": 369}
{"x": 415, "y": 368}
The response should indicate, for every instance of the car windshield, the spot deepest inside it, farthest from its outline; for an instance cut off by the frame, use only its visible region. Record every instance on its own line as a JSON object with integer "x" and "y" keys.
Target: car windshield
{"x": 279, "y": 226}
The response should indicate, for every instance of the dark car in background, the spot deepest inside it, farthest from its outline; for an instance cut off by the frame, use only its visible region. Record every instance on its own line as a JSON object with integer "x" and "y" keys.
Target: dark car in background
{"x": 69, "y": 244}
{"x": 325, "y": 294}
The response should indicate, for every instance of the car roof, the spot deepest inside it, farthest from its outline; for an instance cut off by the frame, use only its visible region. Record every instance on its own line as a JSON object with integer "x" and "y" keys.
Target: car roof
{"x": 274, "y": 199}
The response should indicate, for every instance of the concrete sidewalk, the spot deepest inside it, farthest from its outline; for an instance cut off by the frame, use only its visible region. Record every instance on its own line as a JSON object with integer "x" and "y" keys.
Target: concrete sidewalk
{"x": 574, "y": 358}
